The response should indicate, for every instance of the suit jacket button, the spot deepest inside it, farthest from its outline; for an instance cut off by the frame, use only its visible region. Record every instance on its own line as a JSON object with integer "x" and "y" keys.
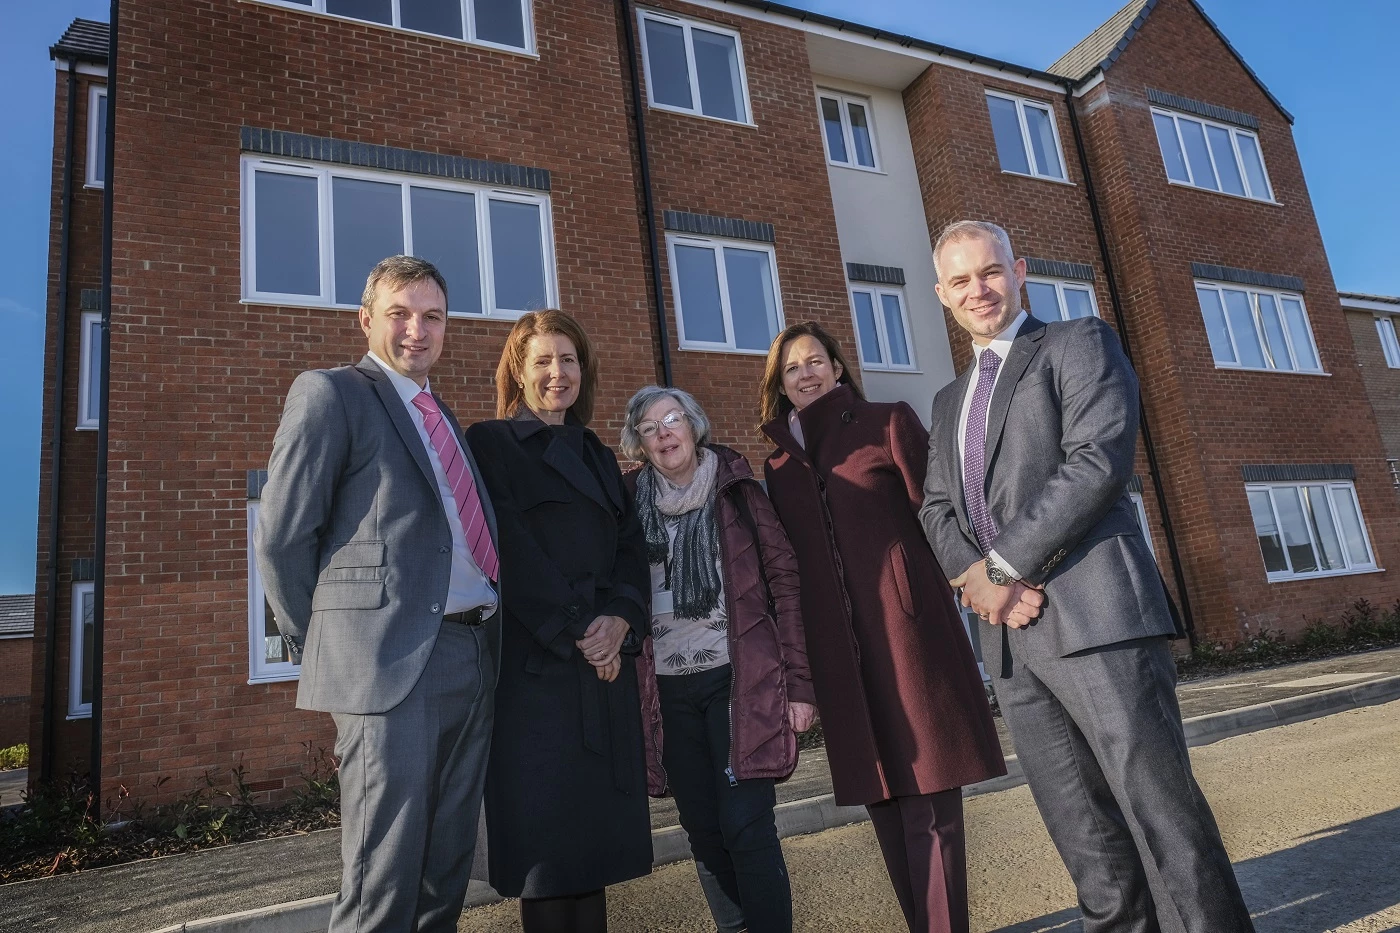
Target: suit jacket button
{"x": 436, "y": 607}
{"x": 442, "y": 550}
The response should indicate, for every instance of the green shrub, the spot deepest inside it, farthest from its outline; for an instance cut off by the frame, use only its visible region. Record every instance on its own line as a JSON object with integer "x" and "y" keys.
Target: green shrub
{"x": 16, "y": 756}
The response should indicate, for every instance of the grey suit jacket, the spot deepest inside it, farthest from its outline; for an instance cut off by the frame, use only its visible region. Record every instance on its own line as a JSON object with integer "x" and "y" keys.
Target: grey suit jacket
{"x": 1061, "y": 437}
{"x": 352, "y": 541}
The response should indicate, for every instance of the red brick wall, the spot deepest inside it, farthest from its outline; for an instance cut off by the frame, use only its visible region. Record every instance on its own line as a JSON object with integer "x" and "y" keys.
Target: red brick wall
{"x": 1381, "y": 381}
{"x": 16, "y": 658}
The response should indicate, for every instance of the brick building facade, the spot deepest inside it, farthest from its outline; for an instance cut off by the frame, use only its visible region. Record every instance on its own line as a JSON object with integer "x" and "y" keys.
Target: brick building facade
{"x": 799, "y": 168}
{"x": 16, "y": 659}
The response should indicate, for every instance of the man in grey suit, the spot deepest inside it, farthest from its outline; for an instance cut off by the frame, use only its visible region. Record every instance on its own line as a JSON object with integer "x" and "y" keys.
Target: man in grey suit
{"x": 1026, "y": 500}
{"x": 377, "y": 548}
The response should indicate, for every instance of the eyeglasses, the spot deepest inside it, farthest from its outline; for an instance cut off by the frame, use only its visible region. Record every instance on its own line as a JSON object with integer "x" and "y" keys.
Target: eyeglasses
{"x": 670, "y": 422}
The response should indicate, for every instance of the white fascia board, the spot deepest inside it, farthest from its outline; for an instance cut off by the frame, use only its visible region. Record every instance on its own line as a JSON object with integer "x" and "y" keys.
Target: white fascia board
{"x": 1092, "y": 83}
{"x": 779, "y": 19}
{"x": 1366, "y": 304}
{"x": 84, "y": 68}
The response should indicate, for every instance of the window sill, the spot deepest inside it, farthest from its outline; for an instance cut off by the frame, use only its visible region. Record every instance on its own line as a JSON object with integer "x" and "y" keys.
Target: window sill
{"x": 1238, "y": 197}
{"x": 699, "y": 116}
{"x": 276, "y": 678}
{"x": 94, "y": 186}
{"x": 1278, "y": 372}
{"x": 85, "y": 427}
{"x": 1305, "y": 577}
{"x": 857, "y": 168}
{"x": 894, "y": 370}
{"x": 709, "y": 348}
{"x": 507, "y": 316}
{"x": 1053, "y": 181}
{"x": 389, "y": 27}
{"x": 74, "y": 717}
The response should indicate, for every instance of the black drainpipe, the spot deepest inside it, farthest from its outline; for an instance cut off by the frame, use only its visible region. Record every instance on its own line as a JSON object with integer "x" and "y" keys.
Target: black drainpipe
{"x": 60, "y": 356}
{"x": 649, "y": 207}
{"x": 99, "y": 571}
{"x": 1150, "y": 449}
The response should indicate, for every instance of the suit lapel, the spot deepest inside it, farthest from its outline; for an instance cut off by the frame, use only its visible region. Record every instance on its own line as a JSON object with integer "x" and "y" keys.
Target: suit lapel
{"x": 398, "y": 416}
{"x": 560, "y": 457}
{"x": 1023, "y": 350}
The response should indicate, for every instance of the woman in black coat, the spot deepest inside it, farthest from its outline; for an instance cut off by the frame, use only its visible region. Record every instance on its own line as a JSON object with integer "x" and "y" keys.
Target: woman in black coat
{"x": 566, "y": 801}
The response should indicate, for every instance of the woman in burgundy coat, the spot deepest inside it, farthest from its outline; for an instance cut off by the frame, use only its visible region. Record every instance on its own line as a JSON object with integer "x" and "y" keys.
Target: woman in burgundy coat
{"x": 902, "y": 705}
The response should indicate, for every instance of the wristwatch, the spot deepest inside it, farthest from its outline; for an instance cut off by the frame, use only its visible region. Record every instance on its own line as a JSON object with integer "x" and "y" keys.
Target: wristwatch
{"x": 996, "y": 574}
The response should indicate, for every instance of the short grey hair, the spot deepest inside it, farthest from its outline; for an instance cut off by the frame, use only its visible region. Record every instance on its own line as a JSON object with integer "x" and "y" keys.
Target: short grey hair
{"x": 648, "y": 396}
{"x": 961, "y": 230}
{"x": 395, "y": 272}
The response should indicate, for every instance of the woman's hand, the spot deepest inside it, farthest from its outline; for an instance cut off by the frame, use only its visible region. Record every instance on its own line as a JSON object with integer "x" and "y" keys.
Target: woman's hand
{"x": 603, "y": 639}
{"x": 610, "y": 670}
{"x": 801, "y": 716}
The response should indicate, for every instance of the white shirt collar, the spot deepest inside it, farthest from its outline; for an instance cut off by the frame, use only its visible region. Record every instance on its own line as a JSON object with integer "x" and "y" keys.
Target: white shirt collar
{"x": 403, "y": 385}
{"x": 1001, "y": 344}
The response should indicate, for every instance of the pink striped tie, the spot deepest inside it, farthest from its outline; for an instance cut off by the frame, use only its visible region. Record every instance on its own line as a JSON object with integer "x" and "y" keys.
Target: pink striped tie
{"x": 463, "y": 485}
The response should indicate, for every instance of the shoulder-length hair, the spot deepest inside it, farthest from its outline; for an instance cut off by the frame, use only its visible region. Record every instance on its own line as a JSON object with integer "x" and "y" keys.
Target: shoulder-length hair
{"x": 510, "y": 395}
{"x": 773, "y": 402}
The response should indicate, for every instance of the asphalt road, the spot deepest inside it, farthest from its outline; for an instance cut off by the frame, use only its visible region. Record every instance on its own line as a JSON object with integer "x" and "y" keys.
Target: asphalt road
{"x": 1310, "y": 814}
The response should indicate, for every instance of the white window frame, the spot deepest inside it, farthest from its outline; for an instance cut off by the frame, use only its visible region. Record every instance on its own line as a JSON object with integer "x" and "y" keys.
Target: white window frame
{"x": 718, "y": 244}
{"x": 96, "y": 147}
{"x": 1254, "y": 292}
{"x": 688, "y": 25}
{"x": 89, "y": 367}
{"x": 468, "y": 20}
{"x": 1060, "y": 286}
{"x": 1351, "y": 568}
{"x": 1389, "y": 336}
{"x": 1141, "y": 509}
{"x": 1021, "y": 104}
{"x": 261, "y": 671}
{"x": 1235, "y": 132}
{"x": 77, "y": 709}
{"x": 323, "y": 172}
{"x": 843, "y": 100}
{"x": 876, "y": 292}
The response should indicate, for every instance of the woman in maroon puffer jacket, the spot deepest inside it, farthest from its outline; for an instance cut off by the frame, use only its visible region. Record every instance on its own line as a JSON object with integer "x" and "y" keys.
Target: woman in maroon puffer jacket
{"x": 723, "y": 677}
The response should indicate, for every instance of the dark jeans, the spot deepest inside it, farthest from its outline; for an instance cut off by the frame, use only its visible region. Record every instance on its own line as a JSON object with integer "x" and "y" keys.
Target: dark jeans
{"x": 729, "y": 823}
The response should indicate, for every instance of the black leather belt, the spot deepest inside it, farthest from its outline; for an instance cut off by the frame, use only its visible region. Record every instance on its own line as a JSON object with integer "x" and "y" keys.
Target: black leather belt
{"x": 470, "y": 617}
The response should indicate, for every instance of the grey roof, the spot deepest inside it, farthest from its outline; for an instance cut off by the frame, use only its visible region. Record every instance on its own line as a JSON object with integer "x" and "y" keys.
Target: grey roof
{"x": 1102, "y": 47}
{"x": 17, "y": 615}
{"x": 1362, "y": 296}
{"x": 85, "y": 40}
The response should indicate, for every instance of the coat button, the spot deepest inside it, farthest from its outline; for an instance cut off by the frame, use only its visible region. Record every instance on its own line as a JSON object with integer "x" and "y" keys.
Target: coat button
{"x": 436, "y": 607}
{"x": 443, "y": 550}
{"x": 846, "y": 417}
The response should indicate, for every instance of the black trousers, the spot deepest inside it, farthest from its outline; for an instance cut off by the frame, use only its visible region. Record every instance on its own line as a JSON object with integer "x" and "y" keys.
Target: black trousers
{"x": 729, "y": 823}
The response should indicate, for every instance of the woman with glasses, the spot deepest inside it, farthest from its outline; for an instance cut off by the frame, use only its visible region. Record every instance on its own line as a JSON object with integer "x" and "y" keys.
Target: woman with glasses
{"x": 723, "y": 677}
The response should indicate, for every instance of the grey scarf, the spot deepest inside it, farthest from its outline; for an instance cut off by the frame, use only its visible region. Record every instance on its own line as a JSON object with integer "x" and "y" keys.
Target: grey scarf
{"x": 692, "y": 575}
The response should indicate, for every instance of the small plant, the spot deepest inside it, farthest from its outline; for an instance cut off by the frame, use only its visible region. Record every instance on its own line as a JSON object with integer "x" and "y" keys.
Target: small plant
{"x": 16, "y": 756}
{"x": 1322, "y": 636}
{"x": 322, "y": 790}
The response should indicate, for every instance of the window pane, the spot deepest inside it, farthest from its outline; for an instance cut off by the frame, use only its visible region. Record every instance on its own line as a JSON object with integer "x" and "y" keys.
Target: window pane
{"x": 1254, "y": 167}
{"x": 1225, "y": 163}
{"x": 667, "y": 71}
{"x": 1006, "y": 127}
{"x": 1273, "y": 332}
{"x": 894, "y": 330}
{"x": 865, "y": 324}
{"x": 717, "y": 68}
{"x": 93, "y": 399}
{"x": 376, "y": 11}
{"x": 1350, "y": 519}
{"x": 1323, "y": 528}
{"x": 88, "y": 651}
{"x": 1193, "y": 135}
{"x": 1264, "y": 526}
{"x": 702, "y": 317}
{"x": 1047, "y": 156}
{"x": 517, "y": 256}
{"x": 98, "y": 144}
{"x": 1298, "y": 329}
{"x": 1078, "y": 303}
{"x": 1171, "y": 148}
{"x": 274, "y": 646}
{"x": 368, "y": 226}
{"x": 860, "y": 136}
{"x": 444, "y": 233}
{"x": 1217, "y": 331}
{"x": 831, "y": 123}
{"x": 1295, "y": 530}
{"x": 752, "y": 305}
{"x": 1385, "y": 331}
{"x": 287, "y": 234}
{"x": 440, "y": 17}
{"x": 501, "y": 21}
{"x": 1045, "y": 304}
{"x": 1242, "y": 327}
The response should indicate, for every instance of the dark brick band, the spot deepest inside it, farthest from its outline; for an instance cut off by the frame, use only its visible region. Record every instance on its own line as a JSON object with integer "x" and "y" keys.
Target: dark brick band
{"x": 706, "y": 225}
{"x": 84, "y": 569}
{"x": 1204, "y": 270}
{"x": 90, "y": 299}
{"x": 1202, "y": 109}
{"x": 1297, "y": 472}
{"x": 1060, "y": 270}
{"x": 876, "y": 275}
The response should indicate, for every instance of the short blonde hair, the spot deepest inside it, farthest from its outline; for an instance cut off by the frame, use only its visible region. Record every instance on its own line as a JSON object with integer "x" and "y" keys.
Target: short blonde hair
{"x": 961, "y": 230}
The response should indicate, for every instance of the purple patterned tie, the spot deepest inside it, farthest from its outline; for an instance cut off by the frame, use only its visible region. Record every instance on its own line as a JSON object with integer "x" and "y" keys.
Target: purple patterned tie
{"x": 975, "y": 452}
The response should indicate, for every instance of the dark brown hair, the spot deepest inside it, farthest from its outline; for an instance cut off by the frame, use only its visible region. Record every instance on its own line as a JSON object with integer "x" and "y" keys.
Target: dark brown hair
{"x": 396, "y": 272}
{"x": 773, "y": 402}
{"x": 509, "y": 393}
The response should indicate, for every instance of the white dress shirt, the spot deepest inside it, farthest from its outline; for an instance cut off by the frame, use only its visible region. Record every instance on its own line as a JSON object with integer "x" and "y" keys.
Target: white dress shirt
{"x": 468, "y": 587}
{"x": 1001, "y": 346}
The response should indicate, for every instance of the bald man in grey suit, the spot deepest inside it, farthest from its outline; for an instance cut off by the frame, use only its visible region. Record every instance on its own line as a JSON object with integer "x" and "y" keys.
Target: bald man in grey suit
{"x": 376, "y": 544}
{"x": 1025, "y": 499}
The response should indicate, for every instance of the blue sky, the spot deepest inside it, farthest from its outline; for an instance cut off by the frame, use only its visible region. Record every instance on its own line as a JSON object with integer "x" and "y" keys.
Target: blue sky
{"x": 1332, "y": 65}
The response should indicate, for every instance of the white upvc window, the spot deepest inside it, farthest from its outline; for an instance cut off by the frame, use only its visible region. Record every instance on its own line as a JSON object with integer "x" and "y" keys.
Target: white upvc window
{"x": 503, "y": 24}
{"x": 95, "y": 172}
{"x": 1310, "y": 529}
{"x": 1141, "y": 511}
{"x": 80, "y": 652}
{"x": 726, "y": 293}
{"x": 848, "y": 130}
{"x": 312, "y": 232}
{"x": 1028, "y": 142}
{"x": 90, "y": 372}
{"x": 1252, "y": 328}
{"x": 269, "y": 658}
{"x": 1390, "y": 344}
{"x": 1213, "y": 156}
{"x": 882, "y": 328}
{"x": 695, "y": 68}
{"x": 1053, "y": 300}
